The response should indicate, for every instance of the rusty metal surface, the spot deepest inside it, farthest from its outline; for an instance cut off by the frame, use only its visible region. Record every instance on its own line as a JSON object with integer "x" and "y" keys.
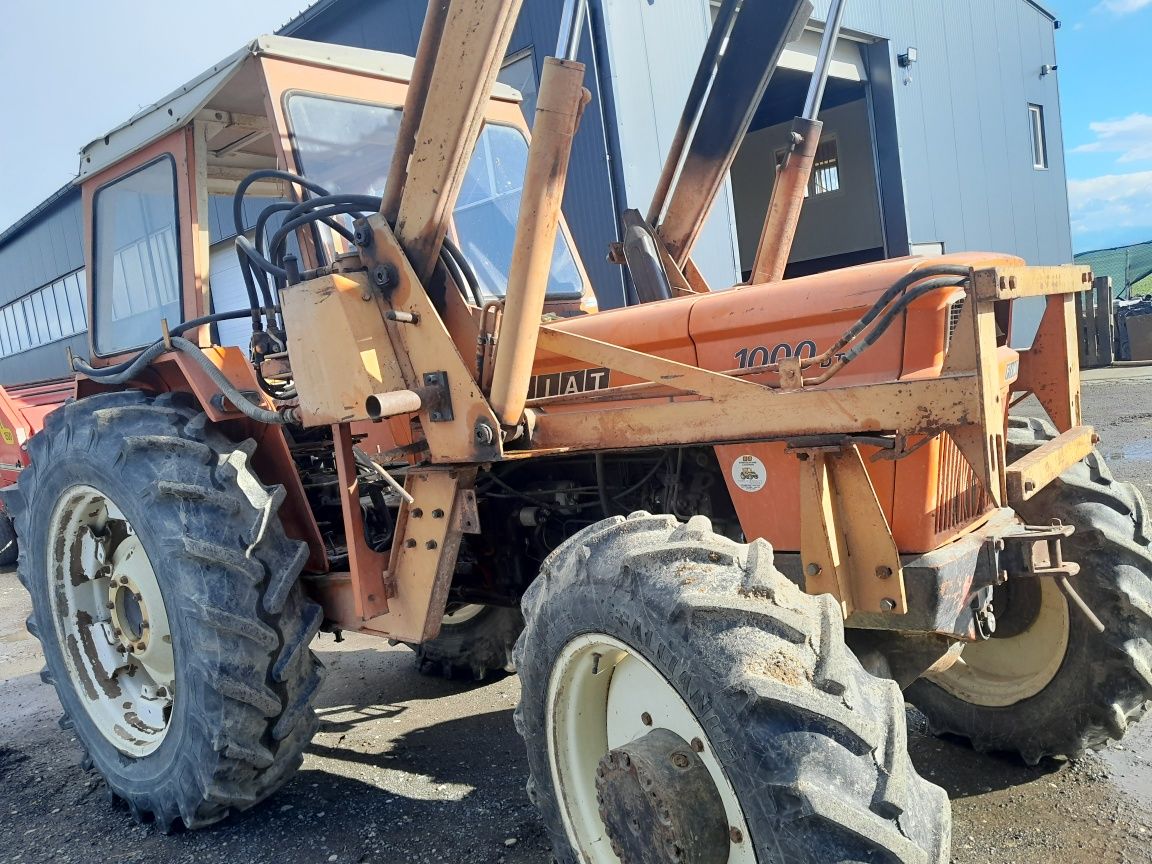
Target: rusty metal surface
{"x": 415, "y": 101}
{"x": 1031, "y": 473}
{"x": 908, "y": 406}
{"x": 340, "y": 350}
{"x": 560, "y": 103}
{"x": 846, "y": 543}
{"x": 1009, "y": 283}
{"x": 423, "y": 555}
{"x": 428, "y": 347}
{"x": 1050, "y": 369}
{"x": 371, "y": 583}
{"x": 786, "y": 203}
{"x": 470, "y": 51}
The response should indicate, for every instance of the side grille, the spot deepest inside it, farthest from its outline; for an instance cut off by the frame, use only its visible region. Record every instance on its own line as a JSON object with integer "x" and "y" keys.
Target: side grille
{"x": 959, "y": 496}
{"x": 953, "y": 321}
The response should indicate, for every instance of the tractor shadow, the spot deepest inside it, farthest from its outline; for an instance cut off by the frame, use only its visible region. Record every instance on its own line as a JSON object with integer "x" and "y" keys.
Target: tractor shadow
{"x": 950, "y": 762}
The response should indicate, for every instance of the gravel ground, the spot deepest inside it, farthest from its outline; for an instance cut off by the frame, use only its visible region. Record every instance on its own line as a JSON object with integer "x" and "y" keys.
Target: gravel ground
{"x": 408, "y": 769}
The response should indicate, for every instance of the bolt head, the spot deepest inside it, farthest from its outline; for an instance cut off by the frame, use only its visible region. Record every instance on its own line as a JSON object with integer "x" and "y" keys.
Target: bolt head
{"x": 484, "y": 433}
{"x": 883, "y": 572}
{"x": 431, "y": 544}
{"x": 814, "y": 569}
{"x": 887, "y": 604}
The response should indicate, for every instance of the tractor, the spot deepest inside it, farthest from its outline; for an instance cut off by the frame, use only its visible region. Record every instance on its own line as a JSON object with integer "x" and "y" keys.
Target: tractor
{"x": 719, "y": 567}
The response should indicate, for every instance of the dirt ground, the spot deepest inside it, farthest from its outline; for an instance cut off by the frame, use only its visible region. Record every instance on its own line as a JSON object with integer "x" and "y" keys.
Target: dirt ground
{"x": 409, "y": 769}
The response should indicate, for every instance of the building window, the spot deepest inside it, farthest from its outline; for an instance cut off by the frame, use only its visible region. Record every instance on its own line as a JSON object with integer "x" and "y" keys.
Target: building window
{"x": 825, "y": 168}
{"x": 519, "y": 71}
{"x": 48, "y": 314}
{"x": 1039, "y": 137}
{"x": 137, "y": 278}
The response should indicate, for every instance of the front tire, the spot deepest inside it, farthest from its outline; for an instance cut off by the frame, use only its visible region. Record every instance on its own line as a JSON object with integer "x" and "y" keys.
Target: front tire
{"x": 1051, "y": 685}
{"x": 644, "y": 631}
{"x": 166, "y": 599}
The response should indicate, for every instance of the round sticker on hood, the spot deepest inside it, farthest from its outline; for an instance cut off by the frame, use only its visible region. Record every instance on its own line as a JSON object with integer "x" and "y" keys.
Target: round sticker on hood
{"x": 748, "y": 473}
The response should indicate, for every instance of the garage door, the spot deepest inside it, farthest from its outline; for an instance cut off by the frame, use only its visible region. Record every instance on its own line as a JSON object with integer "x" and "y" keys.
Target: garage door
{"x": 228, "y": 293}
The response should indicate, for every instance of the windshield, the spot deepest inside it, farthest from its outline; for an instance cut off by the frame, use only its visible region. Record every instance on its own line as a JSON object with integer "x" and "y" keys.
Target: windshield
{"x": 347, "y": 147}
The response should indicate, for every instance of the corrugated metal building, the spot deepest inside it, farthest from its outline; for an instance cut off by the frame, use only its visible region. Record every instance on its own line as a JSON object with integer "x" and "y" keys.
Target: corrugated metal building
{"x": 942, "y": 132}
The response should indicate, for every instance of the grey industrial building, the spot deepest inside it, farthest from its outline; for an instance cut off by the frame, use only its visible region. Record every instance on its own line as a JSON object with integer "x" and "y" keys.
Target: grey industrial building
{"x": 942, "y": 132}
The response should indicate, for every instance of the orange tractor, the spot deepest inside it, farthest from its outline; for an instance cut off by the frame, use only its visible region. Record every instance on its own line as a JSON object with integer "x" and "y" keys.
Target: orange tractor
{"x": 722, "y": 535}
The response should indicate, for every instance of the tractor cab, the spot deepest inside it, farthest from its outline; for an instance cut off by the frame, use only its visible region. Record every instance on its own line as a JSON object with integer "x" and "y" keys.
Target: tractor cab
{"x": 166, "y": 193}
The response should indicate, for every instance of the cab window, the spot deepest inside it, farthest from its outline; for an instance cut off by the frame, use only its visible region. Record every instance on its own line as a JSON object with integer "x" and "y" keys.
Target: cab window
{"x": 347, "y": 147}
{"x": 137, "y": 258}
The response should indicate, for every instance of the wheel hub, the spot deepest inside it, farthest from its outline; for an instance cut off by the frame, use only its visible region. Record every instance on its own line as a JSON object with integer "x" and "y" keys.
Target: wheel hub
{"x": 111, "y": 621}
{"x": 659, "y": 804}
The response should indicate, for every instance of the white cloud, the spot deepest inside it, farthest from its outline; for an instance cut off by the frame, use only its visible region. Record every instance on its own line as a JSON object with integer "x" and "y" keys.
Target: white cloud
{"x": 1110, "y": 202}
{"x": 1129, "y": 136}
{"x": 1125, "y": 7}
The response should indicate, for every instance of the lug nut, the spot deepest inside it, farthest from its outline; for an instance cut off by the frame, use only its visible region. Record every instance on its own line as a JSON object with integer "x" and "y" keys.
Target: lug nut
{"x": 646, "y": 719}
{"x": 697, "y": 745}
{"x": 735, "y": 835}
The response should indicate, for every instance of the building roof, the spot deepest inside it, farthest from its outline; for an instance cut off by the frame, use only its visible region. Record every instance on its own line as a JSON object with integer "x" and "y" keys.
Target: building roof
{"x": 36, "y": 212}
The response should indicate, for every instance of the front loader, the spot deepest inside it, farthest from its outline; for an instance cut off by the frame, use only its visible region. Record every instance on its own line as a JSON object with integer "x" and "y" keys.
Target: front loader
{"x": 721, "y": 535}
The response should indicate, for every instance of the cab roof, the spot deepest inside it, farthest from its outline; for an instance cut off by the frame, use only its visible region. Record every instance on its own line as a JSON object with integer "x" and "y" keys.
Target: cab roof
{"x": 233, "y": 85}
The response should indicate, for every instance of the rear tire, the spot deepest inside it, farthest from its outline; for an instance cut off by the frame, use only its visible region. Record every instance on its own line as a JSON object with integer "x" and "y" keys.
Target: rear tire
{"x": 474, "y": 642}
{"x": 806, "y": 750}
{"x": 1090, "y": 685}
{"x": 243, "y": 679}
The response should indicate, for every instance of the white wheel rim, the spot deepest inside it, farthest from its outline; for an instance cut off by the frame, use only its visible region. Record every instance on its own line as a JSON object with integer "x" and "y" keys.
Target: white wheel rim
{"x": 111, "y": 621}
{"x": 997, "y": 673}
{"x": 461, "y": 614}
{"x": 598, "y": 692}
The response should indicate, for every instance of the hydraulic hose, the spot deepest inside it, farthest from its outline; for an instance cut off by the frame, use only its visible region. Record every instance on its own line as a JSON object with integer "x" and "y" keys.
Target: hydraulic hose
{"x": 238, "y": 399}
{"x": 896, "y": 288}
{"x": 267, "y": 174}
{"x": 895, "y": 309}
{"x": 124, "y": 372}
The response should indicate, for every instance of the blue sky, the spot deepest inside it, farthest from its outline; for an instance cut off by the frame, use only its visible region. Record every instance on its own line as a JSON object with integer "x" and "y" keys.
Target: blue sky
{"x": 76, "y": 73}
{"x": 1106, "y": 93}
{"x": 72, "y": 69}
